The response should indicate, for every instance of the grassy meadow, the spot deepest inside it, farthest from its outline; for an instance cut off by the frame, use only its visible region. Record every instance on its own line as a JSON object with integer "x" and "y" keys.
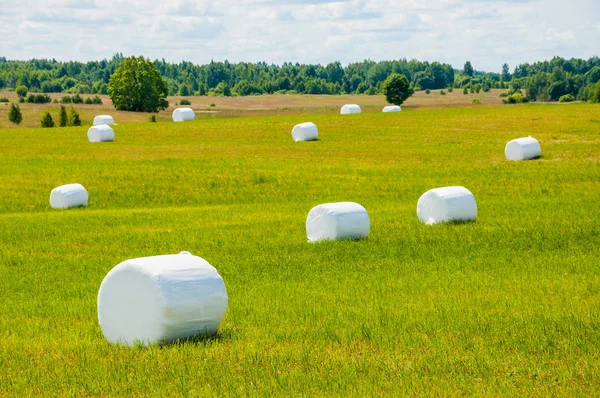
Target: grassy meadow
{"x": 507, "y": 305}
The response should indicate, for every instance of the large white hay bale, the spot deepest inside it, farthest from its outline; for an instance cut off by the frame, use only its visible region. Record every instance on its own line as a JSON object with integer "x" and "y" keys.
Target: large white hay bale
{"x": 342, "y": 220}
{"x": 305, "y": 132}
{"x": 447, "y": 204}
{"x": 350, "y": 109}
{"x": 103, "y": 119}
{"x": 523, "y": 149}
{"x": 70, "y": 195}
{"x": 160, "y": 299}
{"x": 101, "y": 133}
{"x": 392, "y": 108}
{"x": 183, "y": 114}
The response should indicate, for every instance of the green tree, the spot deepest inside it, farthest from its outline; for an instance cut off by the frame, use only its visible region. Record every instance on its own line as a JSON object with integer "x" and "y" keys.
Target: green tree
{"x": 396, "y": 89}
{"x": 184, "y": 91}
{"x": 74, "y": 120}
{"x": 138, "y": 86}
{"x": 505, "y": 73}
{"x": 468, "y": 69}
{"x": 47, "y": 120}
{"x": 14, "y": 114}
{"x": 63, "y": 119}
{"x": 596, "y": 94}
{"x": 21, "y": 91}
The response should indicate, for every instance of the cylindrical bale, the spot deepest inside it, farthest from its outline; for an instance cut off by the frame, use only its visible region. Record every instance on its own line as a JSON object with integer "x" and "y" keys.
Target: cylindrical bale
{"x": 161, "y": 299}
{"x": 523, "y": 149}
{"x": 70, "y": 195}
{"x": 305, "y": 132}
{"x": 392, "y": 108}
{"x": 101, "y": 133}
{"x": 332, "y": 221}
{"x": 447, "y": 204}
{"x": 183, "y": 114}
{"x": 350, "y": 109}
{"x": 103, "y": 119}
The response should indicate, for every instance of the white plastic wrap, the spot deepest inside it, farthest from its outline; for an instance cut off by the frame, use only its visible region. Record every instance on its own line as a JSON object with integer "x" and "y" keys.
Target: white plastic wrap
{"x": 305, "y": 132}
{"x": 350, "y": 109}
{"x": 343, "y": 220}
{"x": 447, "y": 204}
{"x": 70, "y": 195}
{"x": 523, "y": 149}
{"x": 103, "y": 119}
{"x": 160, "y": 299}
{"x": 392, "y": 108}
{"x": 183, "y": 115}
{"x": 101, "y": 133}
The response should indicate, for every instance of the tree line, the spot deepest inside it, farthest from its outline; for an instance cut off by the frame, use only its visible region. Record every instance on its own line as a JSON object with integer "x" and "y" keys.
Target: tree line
{"x": 542, "y": 81}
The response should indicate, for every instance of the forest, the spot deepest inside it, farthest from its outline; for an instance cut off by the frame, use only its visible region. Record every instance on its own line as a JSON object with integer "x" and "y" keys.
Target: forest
{"x": 542, "y": 81}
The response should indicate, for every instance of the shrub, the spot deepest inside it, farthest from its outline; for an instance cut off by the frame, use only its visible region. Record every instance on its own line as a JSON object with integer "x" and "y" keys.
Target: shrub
{"x": 74, "y": 120}
{"x": 55, "y": 101}
{"x": 97, "y": 100}
{"x": 3, "y": 99}
{"x": 14, "y": 114}
{"x": 515, "y": 98}
{"x": 184, "y": 102}
{"x": 427, "y": 91}
{"x": 88, "y": 101}
{"x": 63, "y": 119}
{"x": 47, "y": 120}
{"x": 566, "y": 98}
{"x": 38, "y": 98}
{"x": 450, "y": 89}
{"x": 66, "y": 100}
{"x": 153, "y": 118}
{"x": 465, "y": 91}
{"x": 503, "y": 95}
{"x": 212, "y": 105}
{"x": 21, "y": 100}
{"x": 21, "y": 91}
{"x": 442, "y": 92}
{"x": 477, "y": 101}
{"x": 76, "y": 99}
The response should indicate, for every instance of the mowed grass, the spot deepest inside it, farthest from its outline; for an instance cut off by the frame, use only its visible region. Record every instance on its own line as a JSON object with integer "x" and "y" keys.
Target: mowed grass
{"x": 509, "y": 304}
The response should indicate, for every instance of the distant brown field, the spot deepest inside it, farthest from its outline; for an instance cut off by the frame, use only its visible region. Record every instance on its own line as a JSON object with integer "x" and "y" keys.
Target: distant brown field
{"x": 248, "y": 106}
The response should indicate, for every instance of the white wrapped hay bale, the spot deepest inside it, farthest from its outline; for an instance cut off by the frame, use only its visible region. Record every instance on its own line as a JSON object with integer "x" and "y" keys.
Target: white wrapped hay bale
{"x": 305, "y": 132}
{"x": 70, "y": 195}
{"x": 101, "y": 133}
{"x": 342, "y": 220}
{"x": 183, "y": 115}
{"x": 392, "y": 108}
{"x": 447, "y": 204}
{"x": 160, "y": 299}
{"x": 523, "y": 149}
{"x": 350, "y": 109}
{"x": 103, "y": 119}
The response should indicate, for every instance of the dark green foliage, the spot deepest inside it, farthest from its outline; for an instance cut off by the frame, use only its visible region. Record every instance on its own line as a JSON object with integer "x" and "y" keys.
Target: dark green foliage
{"x": 450, "y": 89}
{"x": 468, "y": 69}
{"x": 97, "y": 100}
{"x": 184, "y": 91}
{"x": 138, "y": 86}
{"x": 505, "y": 73}
{"x": 442, "y": 92}
{"x": 476, "y": 101}
{"x": 153, "y": 118}
{"x": 183, "y": 101}
{"x": 21, "y": 91}
{"x": 38, "y": 98}
{"x": 88, "y": 101}
{"x": 63, "y": 118}
{"x": 74, "y": 119}
{"x": 427, "y": 91}
{"x": 47, "y": 120}
{"x": 396, "y": 89}
{"x": 14, "y": 114}
{"x": 4, "y": 99}
{"x": 566, "y": 98}
{"x": 66, "y": 100}
{"x": 515, "y": 98}
{"x": 503, "y": 95}
{"x": 76, "y": 99}
{"x": 21, "y": 100}
{"x": 465, "y": 90}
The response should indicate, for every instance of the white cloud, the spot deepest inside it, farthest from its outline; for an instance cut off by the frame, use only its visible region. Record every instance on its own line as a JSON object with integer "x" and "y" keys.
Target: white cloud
{"x": 488, "y": 33}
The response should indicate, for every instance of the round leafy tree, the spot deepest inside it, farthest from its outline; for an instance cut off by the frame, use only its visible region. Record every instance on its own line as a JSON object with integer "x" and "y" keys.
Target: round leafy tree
{"x": 396, "y": 89}
{"x": 138, "y": 86}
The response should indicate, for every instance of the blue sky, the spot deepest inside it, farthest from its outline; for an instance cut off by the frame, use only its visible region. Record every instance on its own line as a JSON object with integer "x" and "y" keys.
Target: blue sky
{"x": 487, "y": 33}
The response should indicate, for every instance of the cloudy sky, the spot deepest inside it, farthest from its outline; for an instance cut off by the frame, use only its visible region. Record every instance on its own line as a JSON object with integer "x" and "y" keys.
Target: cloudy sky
{"x": 485, "y": 32}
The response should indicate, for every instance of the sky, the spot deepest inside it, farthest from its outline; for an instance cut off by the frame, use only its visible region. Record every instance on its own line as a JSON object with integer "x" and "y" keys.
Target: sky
{"x": 488, "y": 33}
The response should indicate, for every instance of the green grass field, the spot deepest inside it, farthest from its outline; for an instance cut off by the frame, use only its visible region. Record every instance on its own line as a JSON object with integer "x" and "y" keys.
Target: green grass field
{"x": 507, "y": 305}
